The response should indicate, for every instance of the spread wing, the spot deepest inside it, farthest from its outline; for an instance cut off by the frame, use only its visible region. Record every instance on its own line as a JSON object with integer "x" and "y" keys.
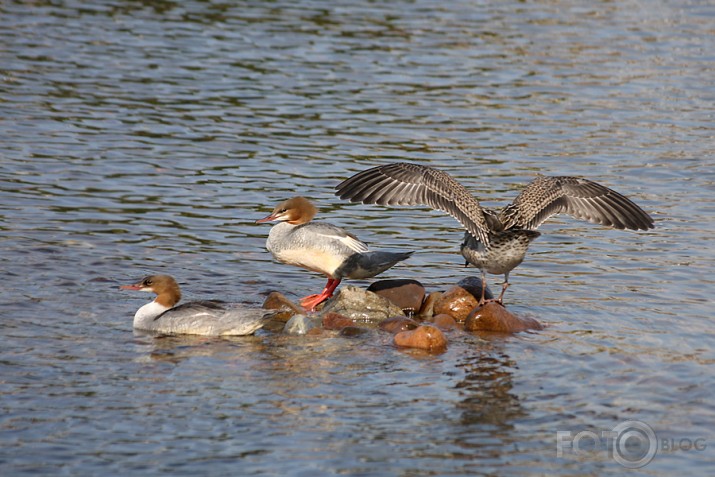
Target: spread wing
{"x": 413, "y": 184}
{"x": 580, "y": 198}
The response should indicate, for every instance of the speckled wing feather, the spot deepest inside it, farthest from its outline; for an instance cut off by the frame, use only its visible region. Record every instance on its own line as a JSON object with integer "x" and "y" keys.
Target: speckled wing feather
{"x": 413, "y": 184}
{"x": 580, "y": 198}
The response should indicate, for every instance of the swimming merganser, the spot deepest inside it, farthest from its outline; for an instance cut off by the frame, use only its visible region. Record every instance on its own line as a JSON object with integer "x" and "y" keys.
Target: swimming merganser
{"x": 495, "y": 242}
{"x": 322, "y": 247}
{"x": 209, "y": 318}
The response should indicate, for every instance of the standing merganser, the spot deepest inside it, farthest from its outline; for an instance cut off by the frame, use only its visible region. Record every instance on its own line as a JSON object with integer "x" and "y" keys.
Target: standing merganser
{"x": 495, "y": 242}
{"x": 209, "y": 318}
{"x": 322, "y": 247}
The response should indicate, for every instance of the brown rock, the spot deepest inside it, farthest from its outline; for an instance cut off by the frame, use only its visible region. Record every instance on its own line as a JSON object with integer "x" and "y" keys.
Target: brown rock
{"x": 398, "y": 323}
{"x": 455, "y": 302}
{"x": 494, "y": 317}
{"x": 407, "y": 294}
{"x": 445, "y": 322}
{"x": 336, "y": 321}
{"x": 427, "y": 310}
{"x": 423, "y": 337}
{"x": 314, "y": 332}
{"x": 278, "y": 301}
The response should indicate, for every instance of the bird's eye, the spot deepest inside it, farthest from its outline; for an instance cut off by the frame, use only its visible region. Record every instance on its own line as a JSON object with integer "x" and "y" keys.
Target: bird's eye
{"x": 282, "y": 211}
{"x": 147, "y": 282}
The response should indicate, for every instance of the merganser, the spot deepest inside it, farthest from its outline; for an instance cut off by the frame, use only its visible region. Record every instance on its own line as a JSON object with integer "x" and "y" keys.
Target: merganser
{"x": 209, "y": 318}
{"x": 322, "y": 247}
{"x": 495, "y": 242}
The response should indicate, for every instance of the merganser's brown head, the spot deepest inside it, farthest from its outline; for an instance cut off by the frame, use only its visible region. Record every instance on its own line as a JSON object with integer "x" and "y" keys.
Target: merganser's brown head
{"x": 165, "y": 287}
{"x": 296, "y": 211}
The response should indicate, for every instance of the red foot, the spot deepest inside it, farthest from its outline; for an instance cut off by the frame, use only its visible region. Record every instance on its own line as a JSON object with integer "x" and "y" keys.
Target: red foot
{"x": 311, "y": 301}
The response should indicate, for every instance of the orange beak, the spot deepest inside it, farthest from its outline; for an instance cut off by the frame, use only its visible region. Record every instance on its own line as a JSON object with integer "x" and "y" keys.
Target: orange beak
{"x": 266, "y": 219}
{"x": 136, "y": 286}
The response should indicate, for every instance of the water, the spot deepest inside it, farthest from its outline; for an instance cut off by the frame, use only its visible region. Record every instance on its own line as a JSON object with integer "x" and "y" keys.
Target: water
{"x": 147, "y": 137}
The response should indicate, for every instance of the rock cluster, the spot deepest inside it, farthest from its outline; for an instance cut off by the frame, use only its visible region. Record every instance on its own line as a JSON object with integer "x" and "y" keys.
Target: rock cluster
{"x": 403, "y": 308}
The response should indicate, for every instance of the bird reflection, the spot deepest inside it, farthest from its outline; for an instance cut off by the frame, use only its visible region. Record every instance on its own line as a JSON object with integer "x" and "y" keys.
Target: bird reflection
{"x": 487, "y": 389}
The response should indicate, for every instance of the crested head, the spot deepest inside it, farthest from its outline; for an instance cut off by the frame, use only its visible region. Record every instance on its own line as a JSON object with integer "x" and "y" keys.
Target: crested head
{"x": 165, "y": 287}
{"x": 296, "y": 211}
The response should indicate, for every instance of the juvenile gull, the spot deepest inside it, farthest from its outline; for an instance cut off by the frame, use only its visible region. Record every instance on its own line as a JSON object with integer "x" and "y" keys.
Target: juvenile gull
{"x": 495, "y": 241}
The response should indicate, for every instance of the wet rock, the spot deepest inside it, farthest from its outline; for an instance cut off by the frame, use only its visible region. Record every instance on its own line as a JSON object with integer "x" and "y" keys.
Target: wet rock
{"x": 455, "y": 302}
{"x": 407, "y": 294}
{"x": 423, "y": 337}
{"x": 336, "y": 321}
{"x": 300, "y": 325}
{"x": 361, "y": 305}
{"x": 398, "y": 323}
{"x": 352, "y": 331}
{"x": 474, "y": 286}
{"x": 445, "y": 322}
{"x": 427, "y": 310}
{"x": 278, "y": 301}
{"x": 274, "y": 325}
{"x": 494, "y": 317}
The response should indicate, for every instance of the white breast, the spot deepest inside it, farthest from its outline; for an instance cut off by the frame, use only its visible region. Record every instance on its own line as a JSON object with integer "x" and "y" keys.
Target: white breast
{"x": 320, "y": 261}
{"x": 144, "y": 317}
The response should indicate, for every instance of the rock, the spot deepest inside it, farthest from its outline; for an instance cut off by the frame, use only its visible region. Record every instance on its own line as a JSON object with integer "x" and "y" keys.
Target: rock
{"x": 274, "y": 325}
{"x": 336, "y": 321}
{"x": 423, "y": 337}
{"x": 494, "y": 317}
{"x": 352, "y": 331}
{"x": 361, "y": 305}
{"x": 455, "y": 302}
{"x": 398, "y": 323}
{"x": 427, "y": 310}
{"x": 445, "y": 322}
{"x": 300, "y": 325}
{"x": 278, "y": 301}
{"x": 407, "y": 294}
{"x": 474, "y": 286}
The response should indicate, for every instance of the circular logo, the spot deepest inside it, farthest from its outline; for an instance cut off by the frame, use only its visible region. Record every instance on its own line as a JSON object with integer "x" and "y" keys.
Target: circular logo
{"x": 635, "y": 444}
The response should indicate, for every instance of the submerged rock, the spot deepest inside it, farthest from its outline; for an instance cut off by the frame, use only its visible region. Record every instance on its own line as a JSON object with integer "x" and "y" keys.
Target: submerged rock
{"x": 361, "y": 305}
{"x": 494, "y": 317}
{"x": 314, "y": 332}
{"x": 407, "y": 294}
{"x": 336, "y": 321}
{"x": 352, "y": 331}
{"x": 300, "y": 325}
{"x": 423, "y": 337}
{"x": 445, "y": 322}
{"x": 398, "y": 323}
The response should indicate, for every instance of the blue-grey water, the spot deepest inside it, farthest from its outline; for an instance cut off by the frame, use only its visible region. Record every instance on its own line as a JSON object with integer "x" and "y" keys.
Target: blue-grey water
{"x": 147, "y": 137}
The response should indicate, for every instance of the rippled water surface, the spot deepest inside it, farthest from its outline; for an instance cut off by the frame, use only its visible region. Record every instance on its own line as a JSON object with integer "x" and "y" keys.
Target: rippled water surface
{"x": 148, "y": 136}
